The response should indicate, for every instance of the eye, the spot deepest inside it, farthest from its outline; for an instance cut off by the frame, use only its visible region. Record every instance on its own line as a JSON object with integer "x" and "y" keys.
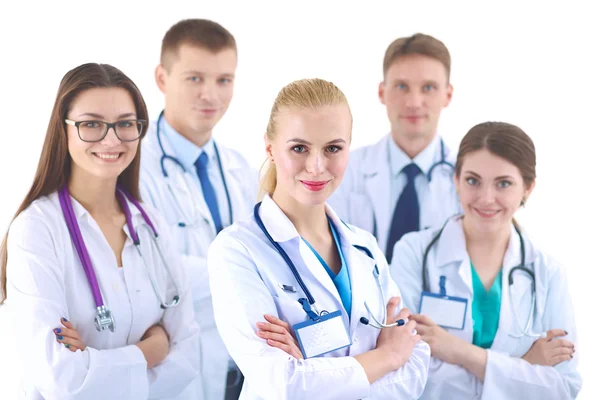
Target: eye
{"x": 504, "y": 184}
{"x": 299, "y": 149}
{"x": 91, "y": 124}
{"x": 428, "y": 88}
{"x": 194, "y": 79}
{"x": 401, "y": 86}
{"x": 224, "y": 81}
{"x": 333, "y": 149}
{"x": 125, "y": 124}
{"x": 472, "y": 181}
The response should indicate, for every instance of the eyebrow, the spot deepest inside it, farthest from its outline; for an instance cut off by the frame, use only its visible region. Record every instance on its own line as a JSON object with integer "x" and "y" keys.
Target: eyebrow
{"x": 98, "y": 116}
{"x": 194, "y": 72}
{"x": 497, "y": 178}
{"x": 302, "y": 141}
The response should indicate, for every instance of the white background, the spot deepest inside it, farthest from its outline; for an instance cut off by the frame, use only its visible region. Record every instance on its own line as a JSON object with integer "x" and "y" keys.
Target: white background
{"x": 533, "y": 65}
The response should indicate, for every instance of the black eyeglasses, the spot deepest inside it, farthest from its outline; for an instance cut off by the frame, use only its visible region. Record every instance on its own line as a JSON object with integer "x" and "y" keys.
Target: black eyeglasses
{"x": 94, "y": 131}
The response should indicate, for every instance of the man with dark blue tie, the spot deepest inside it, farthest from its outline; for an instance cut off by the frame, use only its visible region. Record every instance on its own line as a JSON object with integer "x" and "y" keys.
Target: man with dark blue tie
{"x": 404, "y": 182}
{"x": 199, "y": 185}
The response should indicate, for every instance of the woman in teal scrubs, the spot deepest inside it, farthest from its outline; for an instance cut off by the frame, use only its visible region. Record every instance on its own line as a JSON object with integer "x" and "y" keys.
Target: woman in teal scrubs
{"x": 482, "y": 345}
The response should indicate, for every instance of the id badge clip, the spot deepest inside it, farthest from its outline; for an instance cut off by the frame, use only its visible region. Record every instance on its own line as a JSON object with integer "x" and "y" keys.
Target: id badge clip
{"x": 446, "y": 311}
{"x": 323, "y": 334}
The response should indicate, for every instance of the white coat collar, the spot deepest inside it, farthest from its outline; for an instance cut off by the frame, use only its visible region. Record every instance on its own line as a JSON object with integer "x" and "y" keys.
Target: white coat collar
{"x": 453, "y": 248}
{"x": 282, "y": 229}
{"x": 228, "y": 160}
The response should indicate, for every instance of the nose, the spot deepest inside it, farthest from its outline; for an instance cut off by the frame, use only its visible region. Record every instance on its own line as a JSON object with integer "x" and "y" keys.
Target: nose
{"x": 488, "y": 194}
{"x": 315, "y": 163}
{"x": 208, "y": 91}
{"x": 413, "y": 99}
{"x": 111, "y": 138}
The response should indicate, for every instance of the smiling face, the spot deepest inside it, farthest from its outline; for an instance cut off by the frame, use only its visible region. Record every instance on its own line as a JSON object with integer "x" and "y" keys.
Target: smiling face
{"x": 491, "y": 189}
{"x": 310, "y": 151}
{"x": 198, "y": 88}
{"x": 108, "y": 158}
{"x": 414, "y": 92}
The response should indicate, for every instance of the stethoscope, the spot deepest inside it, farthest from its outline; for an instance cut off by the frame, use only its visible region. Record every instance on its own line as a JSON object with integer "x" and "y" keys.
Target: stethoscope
{"x": 442, "y": 162}
{"x": 308, "y": 303}
{"x": 190, "y": 221}
{"x": 104, "y": 318}
{"x": 521, "y": 267}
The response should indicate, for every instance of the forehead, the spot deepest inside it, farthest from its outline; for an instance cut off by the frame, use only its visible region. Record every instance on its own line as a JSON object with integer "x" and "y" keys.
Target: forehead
{"x": 416, "y": 67}
{"x": 189, "y": 57}
{"x": 103, "y": 101}
{"x": 322, "y": 124}
{"x": 487, "y": 164}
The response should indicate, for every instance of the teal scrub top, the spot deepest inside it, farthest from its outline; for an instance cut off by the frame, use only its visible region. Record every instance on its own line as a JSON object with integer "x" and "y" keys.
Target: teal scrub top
{"x": 342, "y": 279}
{"x": 485, "y": 310}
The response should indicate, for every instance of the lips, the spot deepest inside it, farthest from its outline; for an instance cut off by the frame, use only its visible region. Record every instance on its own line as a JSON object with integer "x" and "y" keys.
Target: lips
{"x": 108, "y": 157}
{"x": 486, "y": 213}
{"x": 315, "y": 186}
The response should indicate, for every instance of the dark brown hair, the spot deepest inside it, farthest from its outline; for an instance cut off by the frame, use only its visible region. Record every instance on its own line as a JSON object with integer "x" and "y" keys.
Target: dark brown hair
{"x": 54, "y": 167}
{"x": 200, "y": 33}
{"x": 503, "y": 140}
{"x": 418, "y": 43}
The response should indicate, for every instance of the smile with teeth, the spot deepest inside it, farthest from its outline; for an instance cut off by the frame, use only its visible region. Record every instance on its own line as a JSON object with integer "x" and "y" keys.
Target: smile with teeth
{"x": 487, "y": 213}
{"x": 108, "y": 156}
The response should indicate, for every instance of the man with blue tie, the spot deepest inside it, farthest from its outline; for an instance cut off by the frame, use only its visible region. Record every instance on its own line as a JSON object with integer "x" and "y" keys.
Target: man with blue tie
{"x": 198, "y": 185}
{"x": 404, "y": 182}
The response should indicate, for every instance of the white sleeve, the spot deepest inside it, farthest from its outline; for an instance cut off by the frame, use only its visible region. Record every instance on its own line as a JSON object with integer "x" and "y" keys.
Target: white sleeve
{"x": 407, "y": 382}
{"x": 182, "y": 365}
{"x": 240, "y": 299}
{"x": 36, "y": 292}
{"x": 511, "y": 377}
{"x": 406, "y": 271}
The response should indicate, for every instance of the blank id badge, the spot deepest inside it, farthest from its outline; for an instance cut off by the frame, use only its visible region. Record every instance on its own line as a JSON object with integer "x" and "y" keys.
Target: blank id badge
{"x": 446, "y": 311}
{"x": 323, "y": 336}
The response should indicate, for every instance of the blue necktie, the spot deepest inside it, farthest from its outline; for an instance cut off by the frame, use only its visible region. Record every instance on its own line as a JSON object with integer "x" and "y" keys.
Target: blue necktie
{"x": 207, "y": 189}
{"x": 406, "y": 214}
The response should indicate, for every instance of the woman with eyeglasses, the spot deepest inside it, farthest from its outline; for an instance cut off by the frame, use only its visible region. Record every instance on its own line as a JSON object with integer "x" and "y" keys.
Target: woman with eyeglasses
{"x": 100, "y": 305}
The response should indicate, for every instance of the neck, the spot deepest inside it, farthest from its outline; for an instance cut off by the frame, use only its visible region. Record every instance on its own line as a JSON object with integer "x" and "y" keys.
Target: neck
{"x": 199, "y": 138}
{"x": 489, "y": 244}
{"x": 412, "y": 146}
{"x": 95, "y": 194}
{"x": 309, "y": 221}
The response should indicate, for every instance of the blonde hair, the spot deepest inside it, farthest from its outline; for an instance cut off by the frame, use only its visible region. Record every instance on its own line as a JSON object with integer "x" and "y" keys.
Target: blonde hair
{"x": 303, "y": 94}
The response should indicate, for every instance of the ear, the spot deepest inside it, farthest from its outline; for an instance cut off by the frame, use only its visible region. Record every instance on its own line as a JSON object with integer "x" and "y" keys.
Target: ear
{"x": 268, "y": 148}
{"x": 160, "y": 76}
{"x": 528, "y": 192}
{"x": 449, "y": 94}
{"x": 380, "y": 92}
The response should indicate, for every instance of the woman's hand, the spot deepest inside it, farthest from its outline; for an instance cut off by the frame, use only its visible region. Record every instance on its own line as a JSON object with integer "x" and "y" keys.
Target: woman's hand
{"x": 397, "y": 343}
{"x": 443, "y": 344}
{"x": 278, "y": 334}
{"x": 68, "y": 336}
{"x": 549, "y": 352}
{"x": 154, "y": 345}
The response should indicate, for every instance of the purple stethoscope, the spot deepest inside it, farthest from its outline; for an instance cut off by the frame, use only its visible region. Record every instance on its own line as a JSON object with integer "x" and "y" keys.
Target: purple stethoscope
{"x": 104, "y": 318}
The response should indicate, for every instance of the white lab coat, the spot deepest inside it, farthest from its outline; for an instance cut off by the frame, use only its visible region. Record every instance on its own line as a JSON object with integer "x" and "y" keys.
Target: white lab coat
{"x": 363, "y": 197}
{"x": 245, "y": 276}
{"x": 193, "y": 241}
{"x": 507, "y": 376}
{"x": 47, "y": 282}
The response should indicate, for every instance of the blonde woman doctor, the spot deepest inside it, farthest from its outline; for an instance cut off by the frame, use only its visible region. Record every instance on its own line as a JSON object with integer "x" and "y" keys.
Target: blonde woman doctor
{"x": 294, "y": 263}
{"x": 493, "y": 306}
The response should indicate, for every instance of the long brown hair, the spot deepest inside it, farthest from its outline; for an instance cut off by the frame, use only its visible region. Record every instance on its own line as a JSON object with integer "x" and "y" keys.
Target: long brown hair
{"x": 54, "y": 167}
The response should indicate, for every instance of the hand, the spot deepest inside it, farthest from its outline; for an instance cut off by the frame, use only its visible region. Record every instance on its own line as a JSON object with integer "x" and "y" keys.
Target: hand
{"x": 549, "y": 352}
{"x": 278, "y": 334}
{"x": 154, "y": 345}
{"x": 69, "y": 336}
{"x": 443, "y": 344}
{"x": 397, "y": 343}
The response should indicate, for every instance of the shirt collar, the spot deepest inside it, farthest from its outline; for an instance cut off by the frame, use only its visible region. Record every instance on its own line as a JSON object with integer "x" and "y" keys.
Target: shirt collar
{"x": 186, "y": 152}
{"x": 399, "y": 159}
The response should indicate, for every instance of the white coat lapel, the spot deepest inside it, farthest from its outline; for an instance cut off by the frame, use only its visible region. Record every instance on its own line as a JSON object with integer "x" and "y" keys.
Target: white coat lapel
{"x": 377, "y": 186}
